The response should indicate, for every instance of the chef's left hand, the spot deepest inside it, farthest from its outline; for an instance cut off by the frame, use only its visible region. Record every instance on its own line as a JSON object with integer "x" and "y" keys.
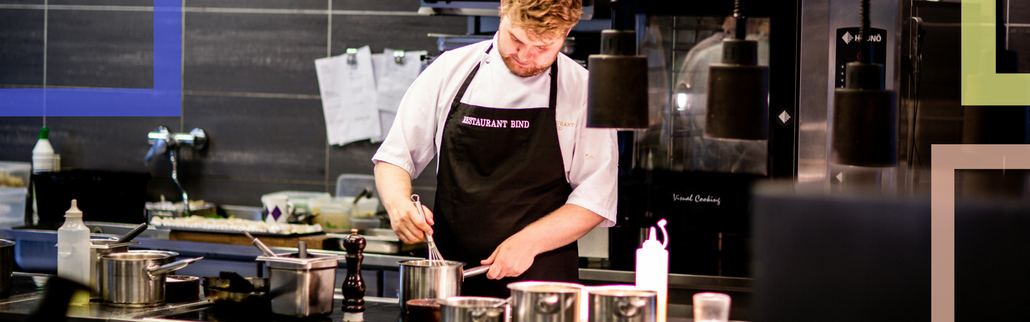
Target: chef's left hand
{"x": 510, "y": 259}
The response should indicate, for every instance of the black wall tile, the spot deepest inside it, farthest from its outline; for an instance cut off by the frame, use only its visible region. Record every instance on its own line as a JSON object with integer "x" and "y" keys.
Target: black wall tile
{"x": 136, "y": 3}
{"x": 258, "y": 137}
{"x": 1019, "y": 41}
{"x": 21, "y": 47}
{"x": 353, "y": 158}
{"x": 21, "y": 1}
{"x": 18, "y": 135}
{"x": 375, "y": 5}
{"x": 100, "y": 48}
{"x": 1019, "y": 11}
{"x": 259, "y": 4}
{"x": 356, "y": 158}
{"x": 266, "y": 53}
{"x": 394, "y": 32}
{"x": 235, "y": 191}
{"x": 105, "y": 143}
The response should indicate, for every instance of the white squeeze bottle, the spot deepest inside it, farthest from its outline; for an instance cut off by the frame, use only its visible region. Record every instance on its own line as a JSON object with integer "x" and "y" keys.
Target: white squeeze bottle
{"x": 73, "y": 251}
{"x": 43, "y": 153}
{"x": 653, "y": 267}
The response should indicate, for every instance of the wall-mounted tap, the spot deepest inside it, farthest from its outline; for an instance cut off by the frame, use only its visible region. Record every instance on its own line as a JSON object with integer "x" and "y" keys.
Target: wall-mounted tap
{"x": 162, "y": 140}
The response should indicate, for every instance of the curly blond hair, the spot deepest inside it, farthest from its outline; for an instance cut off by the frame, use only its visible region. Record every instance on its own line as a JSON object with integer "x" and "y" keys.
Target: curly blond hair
{"x": 543, "y": 18}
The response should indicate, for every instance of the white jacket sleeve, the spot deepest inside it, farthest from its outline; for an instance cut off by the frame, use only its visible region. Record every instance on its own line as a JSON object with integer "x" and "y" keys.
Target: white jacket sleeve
{"x": 593, "y": 172}
{"x": 410, "y": 144}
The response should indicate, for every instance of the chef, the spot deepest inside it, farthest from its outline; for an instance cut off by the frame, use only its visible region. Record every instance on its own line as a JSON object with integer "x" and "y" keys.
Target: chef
{"x": 520, "y": 178}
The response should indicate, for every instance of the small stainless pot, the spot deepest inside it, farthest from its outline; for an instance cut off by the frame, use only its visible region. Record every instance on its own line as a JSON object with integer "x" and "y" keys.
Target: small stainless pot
{"x": 6, "y": 264}
{"x": 432, "y": 279}
{"x": 545, "y": 301}
{"x": 472, "y": 309}
{"x": 137, "y": 278}
{"x": 302, "y": 287}
{"x": 621, "y": 303}
{"x": 99, "y": 247}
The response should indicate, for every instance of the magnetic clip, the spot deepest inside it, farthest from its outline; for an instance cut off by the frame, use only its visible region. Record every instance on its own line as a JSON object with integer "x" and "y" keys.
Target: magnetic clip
{"x": 398, "y": 56}
{"x": 352, "y": 56}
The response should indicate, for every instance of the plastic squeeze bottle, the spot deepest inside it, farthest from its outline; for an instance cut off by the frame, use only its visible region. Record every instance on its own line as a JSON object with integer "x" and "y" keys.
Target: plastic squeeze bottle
{"x": 73, "y": 251}
{"x": 653, "y": 267}
{"x": 43, "y": 153}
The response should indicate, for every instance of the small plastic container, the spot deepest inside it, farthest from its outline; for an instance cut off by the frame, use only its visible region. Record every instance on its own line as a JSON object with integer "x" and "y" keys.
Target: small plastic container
{"x": 12, "y": 206}
{"x": 350, "y": 185}
{"x": 335, "y": 216}
{"x": 14, "y": 174}
{"x": 366, "y": 207}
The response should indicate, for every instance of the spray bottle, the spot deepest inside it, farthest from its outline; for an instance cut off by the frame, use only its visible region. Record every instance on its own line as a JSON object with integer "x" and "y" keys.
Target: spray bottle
{"x": 73, "y": 251}
{"x": 653, "y": 267}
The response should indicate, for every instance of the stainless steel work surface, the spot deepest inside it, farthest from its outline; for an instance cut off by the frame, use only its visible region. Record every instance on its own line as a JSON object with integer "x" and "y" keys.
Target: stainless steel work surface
{"x": 26, "y": 295}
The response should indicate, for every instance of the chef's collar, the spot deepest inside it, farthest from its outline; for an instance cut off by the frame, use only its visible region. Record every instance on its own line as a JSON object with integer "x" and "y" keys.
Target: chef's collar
{"x": 495, "y": 54}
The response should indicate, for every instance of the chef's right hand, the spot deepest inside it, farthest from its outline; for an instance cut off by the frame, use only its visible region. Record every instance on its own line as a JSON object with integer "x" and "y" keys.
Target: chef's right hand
{"x": 408, "y": 224}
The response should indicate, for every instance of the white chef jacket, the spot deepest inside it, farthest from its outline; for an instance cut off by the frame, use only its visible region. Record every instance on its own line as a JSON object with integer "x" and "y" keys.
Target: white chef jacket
{"x": 589, "y": 155}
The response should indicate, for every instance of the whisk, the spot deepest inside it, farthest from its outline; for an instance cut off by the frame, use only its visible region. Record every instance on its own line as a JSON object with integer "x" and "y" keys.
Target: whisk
{"x": 434, "y": 253}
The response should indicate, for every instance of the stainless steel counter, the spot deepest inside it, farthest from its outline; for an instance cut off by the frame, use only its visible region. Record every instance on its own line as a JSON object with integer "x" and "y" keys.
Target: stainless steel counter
{"x": 158, "y": 239}
{"x": 26, "y": 297}
{"x": 379, "y": 271}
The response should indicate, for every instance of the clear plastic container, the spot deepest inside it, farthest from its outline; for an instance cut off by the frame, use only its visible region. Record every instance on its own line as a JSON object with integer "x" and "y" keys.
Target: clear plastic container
{"x": 335, "y": 214}
{"x": 350, "y": 185}
{"x": 12, "y": 206}
{"x": 14, "y": 174}
{"x": 301, "y": 200}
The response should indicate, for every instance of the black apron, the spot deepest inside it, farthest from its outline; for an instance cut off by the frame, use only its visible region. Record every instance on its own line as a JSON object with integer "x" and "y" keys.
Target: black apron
{"x": 500, "y": 170}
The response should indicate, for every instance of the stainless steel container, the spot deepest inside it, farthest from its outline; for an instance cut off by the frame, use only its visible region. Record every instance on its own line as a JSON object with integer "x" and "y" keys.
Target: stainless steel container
{"x": 97, "y": 248}
{"x": 137, "y": 278}
{"x": 621, "y": 303}
{"x": 6, "y": 264}
{"x": 302, "y": 287}
{"x": 545, "y": 301}
{"x": 472, "y": 309}
{"x": 429, "y": 279}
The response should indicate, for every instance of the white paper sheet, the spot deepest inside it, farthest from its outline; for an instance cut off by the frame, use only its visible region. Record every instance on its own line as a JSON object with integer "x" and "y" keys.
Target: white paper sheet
{"x": 349, "y": 97}
{"x": 393, "y": 79}
{"x": 386, "y": 121}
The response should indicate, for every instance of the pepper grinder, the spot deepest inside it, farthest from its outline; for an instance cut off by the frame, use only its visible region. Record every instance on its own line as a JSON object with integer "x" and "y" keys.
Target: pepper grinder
{"x": 353, "y": 286}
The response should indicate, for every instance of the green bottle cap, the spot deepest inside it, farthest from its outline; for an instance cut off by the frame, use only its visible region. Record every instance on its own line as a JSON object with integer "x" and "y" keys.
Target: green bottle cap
{"x": 44, "y": 133}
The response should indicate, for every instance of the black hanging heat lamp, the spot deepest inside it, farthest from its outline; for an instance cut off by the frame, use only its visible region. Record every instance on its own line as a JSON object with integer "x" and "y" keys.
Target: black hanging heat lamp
{"x": 738, "y": 89}
{"x": 865, "y": 114}
{"x": 617, "y": 88}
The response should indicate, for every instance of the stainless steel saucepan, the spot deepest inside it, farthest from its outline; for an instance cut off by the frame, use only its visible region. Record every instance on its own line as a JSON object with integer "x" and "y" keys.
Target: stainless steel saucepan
{"x": 137, "y": 278}
{"x": 433, "y": 279}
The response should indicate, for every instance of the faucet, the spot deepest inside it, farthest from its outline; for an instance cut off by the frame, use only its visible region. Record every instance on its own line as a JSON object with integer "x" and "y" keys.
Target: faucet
{"x": 162, "y": 140}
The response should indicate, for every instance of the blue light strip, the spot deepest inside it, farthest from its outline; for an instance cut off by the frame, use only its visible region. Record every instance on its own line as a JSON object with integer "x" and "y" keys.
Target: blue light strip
{"x": 165, "y": 99}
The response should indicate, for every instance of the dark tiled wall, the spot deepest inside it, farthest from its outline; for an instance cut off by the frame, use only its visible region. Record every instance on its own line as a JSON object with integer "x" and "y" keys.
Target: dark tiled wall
{"x": 248, "y": 80}
{"x": 1019, "y": 32}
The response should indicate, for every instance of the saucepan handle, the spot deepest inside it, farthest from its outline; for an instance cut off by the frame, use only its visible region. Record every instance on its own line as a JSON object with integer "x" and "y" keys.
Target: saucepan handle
{"x": 475, "y": 271}
{"x": 154, "y": 272}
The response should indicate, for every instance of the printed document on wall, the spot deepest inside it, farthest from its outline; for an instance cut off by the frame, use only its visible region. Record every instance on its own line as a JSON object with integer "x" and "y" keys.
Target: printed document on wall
{"x": 385, "y": 117}
{"x": 349, "y": 97}
{"x": 394, "y": 78}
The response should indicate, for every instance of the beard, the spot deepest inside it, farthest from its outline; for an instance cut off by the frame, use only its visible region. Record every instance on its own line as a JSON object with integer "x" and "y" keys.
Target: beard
{"x": 524, "y": 71}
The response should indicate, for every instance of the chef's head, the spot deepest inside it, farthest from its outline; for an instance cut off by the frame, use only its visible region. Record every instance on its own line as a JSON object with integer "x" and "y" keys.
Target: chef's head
{"x": 532, "y": 32}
